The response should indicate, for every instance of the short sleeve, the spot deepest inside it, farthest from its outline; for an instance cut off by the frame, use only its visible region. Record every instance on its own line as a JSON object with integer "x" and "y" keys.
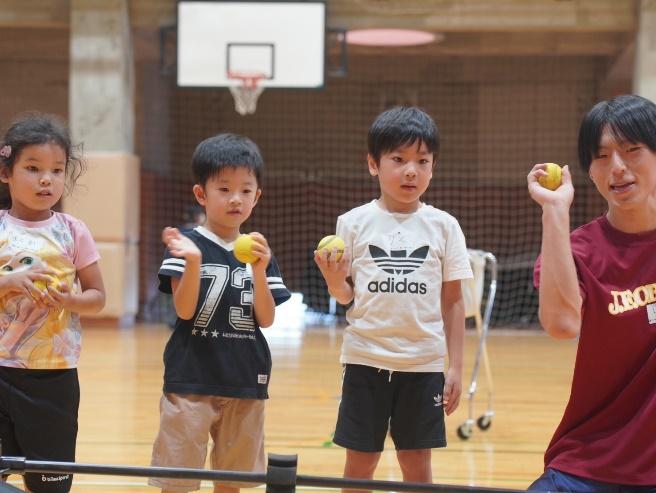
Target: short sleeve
{"x": 345, "y": 233}
{"x": 456, "y": 262}
{"x": 86, "y": 252}
{"x": 171, "y": 267}
{"x": 278, "y": 289}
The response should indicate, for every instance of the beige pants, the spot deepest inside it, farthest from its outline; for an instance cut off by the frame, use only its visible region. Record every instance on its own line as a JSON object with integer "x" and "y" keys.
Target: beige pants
{"x": 186, "y": 423}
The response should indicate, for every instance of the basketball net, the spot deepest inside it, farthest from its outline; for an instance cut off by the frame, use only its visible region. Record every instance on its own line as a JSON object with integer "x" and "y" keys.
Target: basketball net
{"x": 247, "y": 92}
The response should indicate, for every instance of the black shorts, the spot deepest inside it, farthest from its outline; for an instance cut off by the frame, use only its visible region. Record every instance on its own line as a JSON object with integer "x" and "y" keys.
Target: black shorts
{"x": 408, "y": 404}
{"x": 38, "y": 421}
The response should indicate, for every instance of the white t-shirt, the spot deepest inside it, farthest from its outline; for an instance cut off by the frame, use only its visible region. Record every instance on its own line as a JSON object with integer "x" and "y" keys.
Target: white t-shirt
{"x": 399, "y": 262}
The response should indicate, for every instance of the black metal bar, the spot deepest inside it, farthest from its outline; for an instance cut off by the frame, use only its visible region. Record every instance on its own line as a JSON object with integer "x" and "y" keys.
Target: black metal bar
{"x": 19, "y": 465}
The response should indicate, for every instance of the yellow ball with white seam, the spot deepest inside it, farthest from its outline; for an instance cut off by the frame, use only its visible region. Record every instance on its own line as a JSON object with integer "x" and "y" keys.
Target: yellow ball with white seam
{"x": 554, "y": 177}
{"x": 330, "y": 243}
{"x": 243, "y": 249}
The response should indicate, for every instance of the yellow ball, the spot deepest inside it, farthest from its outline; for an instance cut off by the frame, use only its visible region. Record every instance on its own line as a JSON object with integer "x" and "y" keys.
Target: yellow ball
{"x": 40, "y": 285}
{"x": 329, "y": 243}
{"x": 43, "y": 285}
{"x": 243, "y": 249}
{"x": 554, "y": 178}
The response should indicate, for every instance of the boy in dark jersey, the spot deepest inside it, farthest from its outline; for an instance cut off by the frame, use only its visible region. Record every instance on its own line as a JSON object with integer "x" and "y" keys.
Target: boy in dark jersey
{"x": 599, "y": 284}
{"x": 217, "y": 362}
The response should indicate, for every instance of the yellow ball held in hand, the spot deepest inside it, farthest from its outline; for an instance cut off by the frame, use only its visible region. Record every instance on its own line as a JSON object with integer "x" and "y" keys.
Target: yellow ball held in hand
{"x": 331, "y": 242}
{"x": 554, "y": 177}
{"x": 243, "y": 249}
{"x": 43, "y": 285}
{"x": 40, "y": 285}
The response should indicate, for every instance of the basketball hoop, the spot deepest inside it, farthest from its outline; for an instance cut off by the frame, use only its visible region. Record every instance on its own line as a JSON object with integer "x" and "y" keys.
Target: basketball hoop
{"x": 247, "y": 92}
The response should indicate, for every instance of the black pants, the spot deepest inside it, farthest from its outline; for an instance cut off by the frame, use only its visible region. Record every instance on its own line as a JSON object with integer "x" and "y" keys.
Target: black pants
{"x": 38, "y": 421}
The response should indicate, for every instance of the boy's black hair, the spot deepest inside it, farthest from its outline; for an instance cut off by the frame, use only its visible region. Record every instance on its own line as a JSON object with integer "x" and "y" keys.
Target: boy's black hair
{"x": 629, "y": 117}
{"x": 222, "y": 151}
{"x": 402, "y": 126}
{"x": 35, "y": 129}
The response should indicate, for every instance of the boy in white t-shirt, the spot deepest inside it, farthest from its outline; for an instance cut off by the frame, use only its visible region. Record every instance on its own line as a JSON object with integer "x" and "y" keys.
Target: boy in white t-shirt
{"x": 401, "y": 268}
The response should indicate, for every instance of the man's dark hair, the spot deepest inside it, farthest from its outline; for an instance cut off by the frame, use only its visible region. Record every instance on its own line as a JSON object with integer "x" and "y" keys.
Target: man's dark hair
{"x": 630, "y": 118}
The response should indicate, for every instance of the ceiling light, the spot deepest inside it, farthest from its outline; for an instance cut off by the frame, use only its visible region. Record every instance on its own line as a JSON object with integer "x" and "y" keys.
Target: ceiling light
{"x": 391, "y": 37}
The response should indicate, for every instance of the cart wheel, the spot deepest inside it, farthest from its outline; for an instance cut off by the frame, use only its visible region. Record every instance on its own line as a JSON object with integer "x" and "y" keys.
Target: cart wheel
{"x": 464, "y": 431}
{"x": 484, "y": 422}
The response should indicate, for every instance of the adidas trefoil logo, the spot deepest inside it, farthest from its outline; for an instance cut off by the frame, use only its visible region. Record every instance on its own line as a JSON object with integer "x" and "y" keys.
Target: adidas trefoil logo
{"x": 438, "y": 400}
{"x": 396, "y": 263}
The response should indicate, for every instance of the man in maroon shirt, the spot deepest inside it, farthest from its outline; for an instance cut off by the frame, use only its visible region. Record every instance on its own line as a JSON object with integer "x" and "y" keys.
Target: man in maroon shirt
{"x": 599, "y": 284}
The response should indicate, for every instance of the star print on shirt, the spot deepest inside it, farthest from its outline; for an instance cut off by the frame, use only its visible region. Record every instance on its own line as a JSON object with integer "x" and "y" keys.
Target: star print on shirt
{"x": 194, "y": 332}
{"x": 203, "y": 333}
{"x": 215, "y": 333}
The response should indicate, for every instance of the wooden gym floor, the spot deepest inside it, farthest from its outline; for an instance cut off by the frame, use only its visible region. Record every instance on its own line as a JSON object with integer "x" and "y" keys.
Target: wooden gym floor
{"x": 121, "y": 375}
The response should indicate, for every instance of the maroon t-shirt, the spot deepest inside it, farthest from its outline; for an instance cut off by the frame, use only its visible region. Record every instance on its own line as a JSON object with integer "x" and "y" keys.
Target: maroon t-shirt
{"x": 608, "y": 430}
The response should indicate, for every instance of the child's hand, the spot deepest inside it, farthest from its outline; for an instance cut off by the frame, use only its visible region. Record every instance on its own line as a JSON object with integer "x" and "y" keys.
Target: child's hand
{"x": 262, "y": 251}
{"x": 23, "y": 282}
{"x": 28, "y": 311}
{"x": 58, "y": 297}
{"x": 179, "y": 245}
{"x": 334, "y": 272}
{"x": 452, "y": 390}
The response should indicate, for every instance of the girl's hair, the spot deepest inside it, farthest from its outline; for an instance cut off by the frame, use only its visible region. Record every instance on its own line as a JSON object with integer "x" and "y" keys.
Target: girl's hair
{"x": 629, "y": 118}
{"x": 36, "y": 129}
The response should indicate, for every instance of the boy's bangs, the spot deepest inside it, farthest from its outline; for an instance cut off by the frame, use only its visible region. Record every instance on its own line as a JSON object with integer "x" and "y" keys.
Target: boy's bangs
{"x": 410, "y": 138}
{"x": 216, "y": 170}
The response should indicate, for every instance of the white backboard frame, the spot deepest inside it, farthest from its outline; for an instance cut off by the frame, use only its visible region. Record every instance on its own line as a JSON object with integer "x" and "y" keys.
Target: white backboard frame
{"x": 282, "y": 40}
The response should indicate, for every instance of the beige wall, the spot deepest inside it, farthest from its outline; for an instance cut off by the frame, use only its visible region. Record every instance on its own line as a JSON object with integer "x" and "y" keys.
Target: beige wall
{"x": 107, "y": 200}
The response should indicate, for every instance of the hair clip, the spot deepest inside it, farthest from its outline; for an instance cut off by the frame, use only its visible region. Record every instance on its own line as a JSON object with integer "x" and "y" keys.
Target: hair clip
{"x": 5, "y": 151}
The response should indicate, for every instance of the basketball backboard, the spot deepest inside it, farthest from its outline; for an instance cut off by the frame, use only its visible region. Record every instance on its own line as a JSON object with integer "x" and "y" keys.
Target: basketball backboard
{"x": 281, "y": 42}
